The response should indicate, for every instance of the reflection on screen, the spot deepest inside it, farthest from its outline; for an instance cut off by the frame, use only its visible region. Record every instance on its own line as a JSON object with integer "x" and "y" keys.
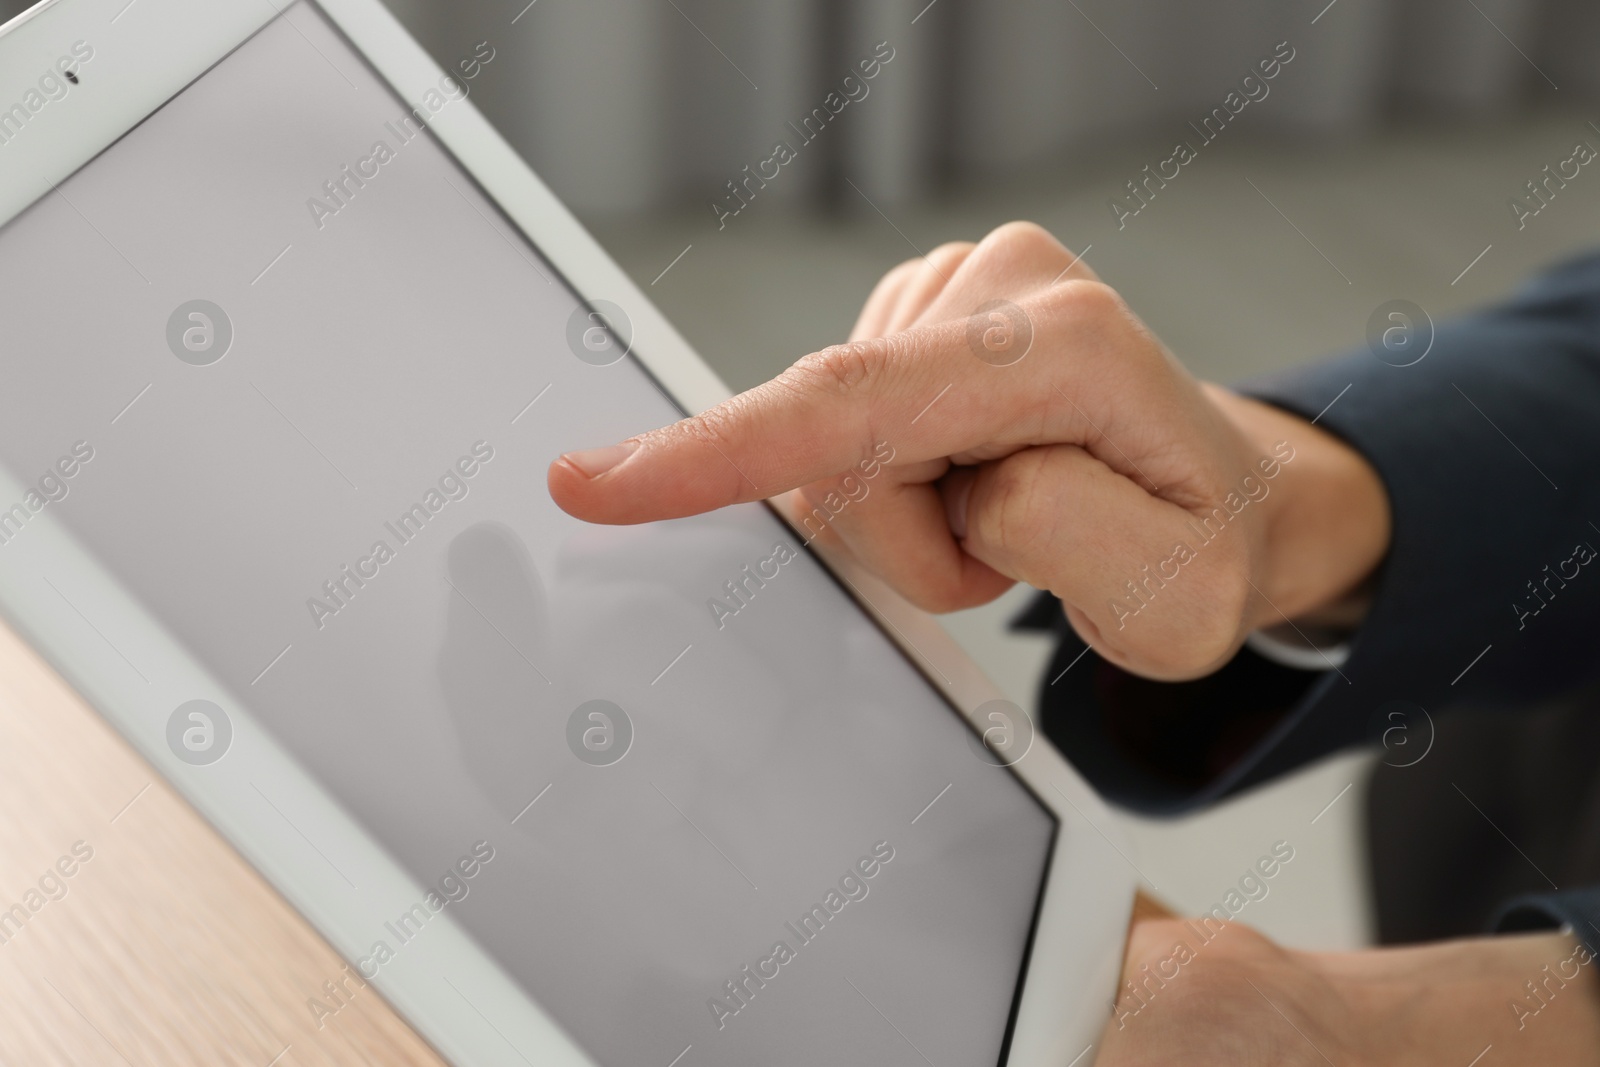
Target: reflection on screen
{"x": 280, "y": 365}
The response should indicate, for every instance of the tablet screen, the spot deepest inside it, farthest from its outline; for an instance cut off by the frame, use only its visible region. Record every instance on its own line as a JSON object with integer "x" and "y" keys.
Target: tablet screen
{"x": 283, "y": 368}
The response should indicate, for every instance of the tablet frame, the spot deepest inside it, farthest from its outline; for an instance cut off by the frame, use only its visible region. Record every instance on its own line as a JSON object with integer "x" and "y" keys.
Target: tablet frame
{"x": 146, "y": 54}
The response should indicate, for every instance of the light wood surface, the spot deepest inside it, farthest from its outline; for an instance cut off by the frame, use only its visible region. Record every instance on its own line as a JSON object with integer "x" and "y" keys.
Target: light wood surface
{"x": 167, "y": 948}
{"x": 163, "y": 947}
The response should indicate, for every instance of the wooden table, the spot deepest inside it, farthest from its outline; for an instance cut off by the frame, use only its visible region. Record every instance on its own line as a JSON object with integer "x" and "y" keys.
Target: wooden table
{"x": 163, "y": 947}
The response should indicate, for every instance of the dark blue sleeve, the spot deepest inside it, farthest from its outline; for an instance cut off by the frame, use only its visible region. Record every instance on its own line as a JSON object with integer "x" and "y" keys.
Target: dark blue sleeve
{"x": 1578, "y": 909}
{"x": 1489, "y": 596}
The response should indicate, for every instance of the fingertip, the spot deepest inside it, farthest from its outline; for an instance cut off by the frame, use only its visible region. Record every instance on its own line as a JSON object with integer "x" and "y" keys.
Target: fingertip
{"x": 578, "y": 480}
{"x": 566, "y": 484}
{"x": 593, "y": 462}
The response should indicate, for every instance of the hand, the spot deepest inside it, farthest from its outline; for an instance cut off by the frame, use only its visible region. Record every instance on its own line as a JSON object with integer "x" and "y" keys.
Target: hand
{"x": 1240, "y": 999}
{"x": 1091, "y": 466}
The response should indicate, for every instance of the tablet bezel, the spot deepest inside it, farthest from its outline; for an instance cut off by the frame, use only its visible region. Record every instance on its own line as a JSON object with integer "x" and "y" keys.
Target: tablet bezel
{"x": 145, "y": 54}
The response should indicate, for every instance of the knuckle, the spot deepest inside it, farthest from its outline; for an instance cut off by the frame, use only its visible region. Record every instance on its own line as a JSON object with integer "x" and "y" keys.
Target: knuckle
{"x": 714, "y": 427}
{"x": 1088, "y": 299}
{"x": 898, "y": 276}
{"x": 949, "y": 254}
{"x": 1100, "y": 321}
{"x": 839, "y": 369}
{"x": 905, "y": 267}
{"x": 1021, "y": 237}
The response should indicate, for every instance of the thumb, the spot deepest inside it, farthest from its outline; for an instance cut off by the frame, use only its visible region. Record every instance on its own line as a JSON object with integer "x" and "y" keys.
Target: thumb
{"x": 1139, "y": 582}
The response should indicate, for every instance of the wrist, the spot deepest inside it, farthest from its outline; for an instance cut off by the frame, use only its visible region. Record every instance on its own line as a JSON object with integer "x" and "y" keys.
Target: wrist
{"x": 1327, "y": 519}
{"x": 1530, "y": 996}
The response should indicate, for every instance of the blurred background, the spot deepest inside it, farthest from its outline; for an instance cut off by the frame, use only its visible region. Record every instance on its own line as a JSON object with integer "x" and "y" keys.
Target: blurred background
{"x": 1381, "y": 164}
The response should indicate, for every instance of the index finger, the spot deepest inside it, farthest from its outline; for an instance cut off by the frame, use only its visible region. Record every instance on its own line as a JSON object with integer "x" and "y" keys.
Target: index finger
{"x": 921, "y": 391}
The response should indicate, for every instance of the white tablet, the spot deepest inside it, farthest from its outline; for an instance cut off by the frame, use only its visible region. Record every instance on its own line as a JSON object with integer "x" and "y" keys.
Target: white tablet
{"x": 290, "y": 337}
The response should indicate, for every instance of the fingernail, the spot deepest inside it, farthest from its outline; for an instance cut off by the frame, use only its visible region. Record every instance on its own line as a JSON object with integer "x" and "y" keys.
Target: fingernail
{"x": 596, "y": 461}
{"x": 955, "y": 506}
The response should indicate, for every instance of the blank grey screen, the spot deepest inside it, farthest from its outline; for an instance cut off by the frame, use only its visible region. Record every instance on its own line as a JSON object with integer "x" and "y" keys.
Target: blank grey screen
{"x": 398, "y": 372}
